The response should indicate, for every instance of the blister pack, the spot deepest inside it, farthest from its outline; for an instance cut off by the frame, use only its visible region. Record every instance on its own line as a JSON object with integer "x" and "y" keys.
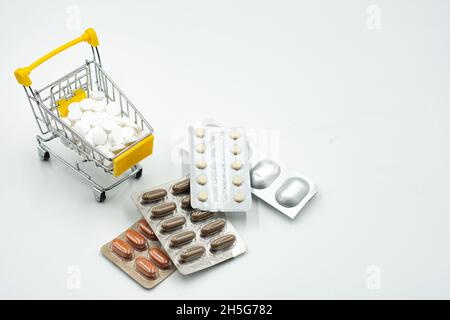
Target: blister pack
{"x": 219, "y": 171}
{"x": 139, "y": 254}
{"x": 193, "y": 239}
{"x": 284, "y": 189}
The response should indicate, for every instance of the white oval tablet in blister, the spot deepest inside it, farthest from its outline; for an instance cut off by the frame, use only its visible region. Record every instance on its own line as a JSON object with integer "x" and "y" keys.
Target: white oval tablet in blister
{"x": 202, "y": 180}
{"x": 235, "y": 135}
{"x": 238, "y": 180}
{"x": 202, "y": 196}
{"x": 200, "y": 148}
{"x": 200, "y": 164}
{"x": 235, "y": 150}
{"x": 236, "y": 165}
{"x": 199, "y": 132}
{"x": 239, "y": 197}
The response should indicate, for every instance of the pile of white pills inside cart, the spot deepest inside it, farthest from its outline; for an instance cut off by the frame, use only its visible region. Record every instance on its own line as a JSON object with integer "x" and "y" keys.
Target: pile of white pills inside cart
{"x": 103, "y": 124}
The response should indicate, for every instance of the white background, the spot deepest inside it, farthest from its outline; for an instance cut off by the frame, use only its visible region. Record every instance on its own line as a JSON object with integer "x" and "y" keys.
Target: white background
{"x": 362, "y": 111}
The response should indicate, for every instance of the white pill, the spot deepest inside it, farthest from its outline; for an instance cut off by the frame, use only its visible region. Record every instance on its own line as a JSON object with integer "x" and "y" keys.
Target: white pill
{"x": 97, "y": 119}
{"x": 117, "y": 148}
{"x": 236, "y": 165}
{"x": 109, "y": 125}
{"x": 202, "y": 196}
{"x": 81, "y": 127}
{"x": 202, "y": 180}
{"x": 73, "y": 106}
{"x": 235, "y": 135}
{"x": 87, "y": 104}
{"x": 113, "y": 110}
{"x": 239, "y": 197}
{"x": 200, "y": 148}
{"x": 238, "y": 180}
{"x": 235, "y": 150}
{"x": 100, "y": 106}
{"x": 130, "y": 141}
{"x": 119, "y": 121}
{"x": 87, "y": 117}
{"x": 200, "y": 164}
{"x": 116, "y": 137}
{"x": 97, "y": 95}
{"x": 75, "y": 115}
{"x": 128, "y": 132}
{"x": 199, "y": 132}
{"x": 99, "y": 136}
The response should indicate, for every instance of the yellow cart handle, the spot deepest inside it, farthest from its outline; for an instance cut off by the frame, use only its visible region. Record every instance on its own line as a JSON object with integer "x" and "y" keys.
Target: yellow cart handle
{"x": 23, "y": 74}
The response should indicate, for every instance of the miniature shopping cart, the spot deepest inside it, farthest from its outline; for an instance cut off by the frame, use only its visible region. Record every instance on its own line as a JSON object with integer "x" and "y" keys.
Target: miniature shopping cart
{"x": 50, "y": 103}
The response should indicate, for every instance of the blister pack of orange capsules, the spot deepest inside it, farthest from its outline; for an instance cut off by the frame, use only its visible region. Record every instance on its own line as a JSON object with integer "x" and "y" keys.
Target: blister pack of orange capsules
{"x": 139, "y": 254}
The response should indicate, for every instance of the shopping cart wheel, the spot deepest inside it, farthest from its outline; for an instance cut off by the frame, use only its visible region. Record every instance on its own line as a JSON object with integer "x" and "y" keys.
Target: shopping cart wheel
{"x": 44, "y": 155}
{"x": 99, "y": 195}
{"x": 138, "y": 174}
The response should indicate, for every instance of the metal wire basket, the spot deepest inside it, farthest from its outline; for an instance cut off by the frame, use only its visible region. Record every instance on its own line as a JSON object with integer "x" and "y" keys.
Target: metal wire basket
{"x": 49, "y": 104}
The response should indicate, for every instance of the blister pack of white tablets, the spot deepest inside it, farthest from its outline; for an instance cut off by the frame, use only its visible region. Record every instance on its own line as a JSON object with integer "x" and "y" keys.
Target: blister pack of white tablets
{"x": 219, "y": 170}
{"x": 284, "y": 189}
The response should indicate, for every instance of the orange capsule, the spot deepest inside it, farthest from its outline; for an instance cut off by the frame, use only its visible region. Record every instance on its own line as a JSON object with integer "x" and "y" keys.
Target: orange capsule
{"x": 146, "y": 230}
{"x": 136, "y": 239}
{"x": 122, "y": 249}
{"x": 146, "y": 268}
{"x": 159, "y": 257}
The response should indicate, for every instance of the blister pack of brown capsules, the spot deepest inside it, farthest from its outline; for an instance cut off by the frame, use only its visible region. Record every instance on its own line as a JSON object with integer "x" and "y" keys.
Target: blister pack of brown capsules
{"x": 193, "y": 239}
{"x": 138, "y": 253}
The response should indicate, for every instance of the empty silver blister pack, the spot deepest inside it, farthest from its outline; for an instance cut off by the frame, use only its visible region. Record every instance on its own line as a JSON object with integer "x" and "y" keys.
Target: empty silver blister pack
{"x": 193, "y": 239}
{"x": 219, "y": 169}
{"x": 284, "y": 189}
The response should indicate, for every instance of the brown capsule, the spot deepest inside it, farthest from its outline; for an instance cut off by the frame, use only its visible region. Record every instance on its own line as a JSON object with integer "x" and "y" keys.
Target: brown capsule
{"x": 199, "y": 215}
{"x": 191, "y": 253}
{"x": 172, "y": 223}
{"x": 163, "y": 209}
{"x": 181, "y": 186}
{"x": 122, "y": 249}
{"x": 186, "y": 202}
{"x": 212, "y": 227}
{"x": 146, "y": 230}
{"x": 182, "y": 238}
{"x": 159, "y": 257}
{"x": 136, "y": 239}
{"x": 146, "y": 268}
{"x": 223, "y": 242}
{"x": 154, "y": 195}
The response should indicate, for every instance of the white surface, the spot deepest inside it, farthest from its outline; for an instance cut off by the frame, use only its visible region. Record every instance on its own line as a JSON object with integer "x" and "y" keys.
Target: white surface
{"x": 364, "y": 113}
